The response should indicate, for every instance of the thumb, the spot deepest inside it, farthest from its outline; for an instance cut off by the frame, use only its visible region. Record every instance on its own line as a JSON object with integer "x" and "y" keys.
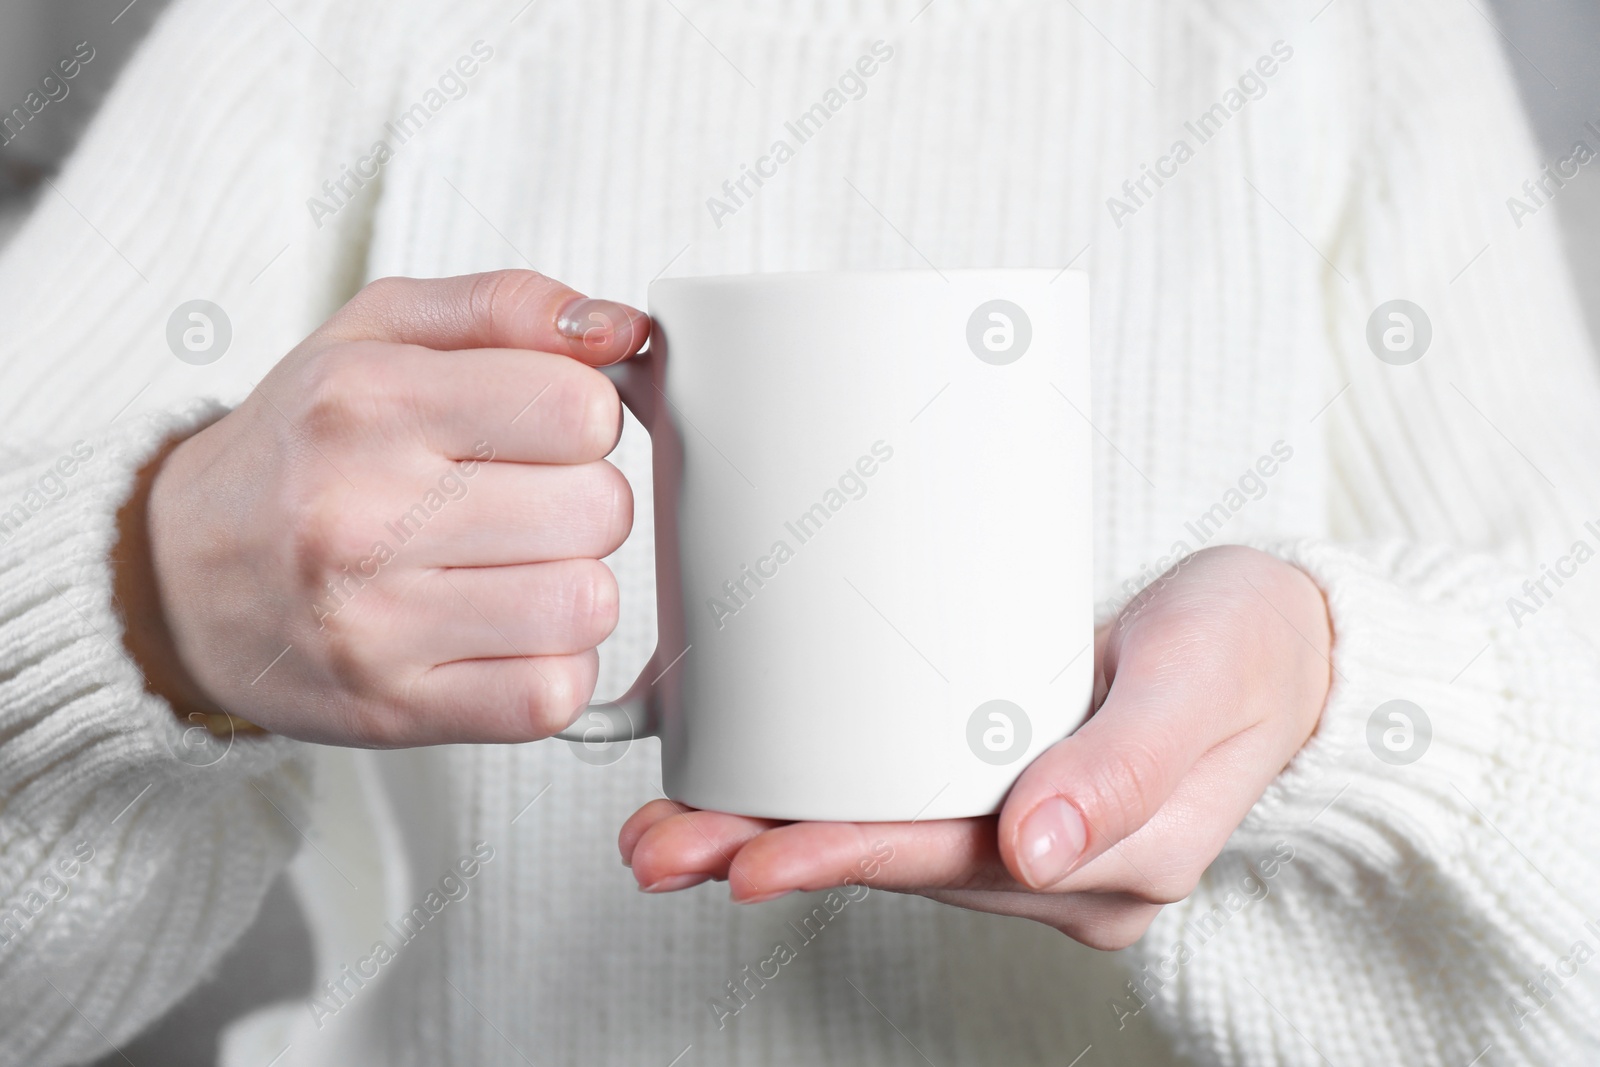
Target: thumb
{"x": 501, "y": 309}
{"x": 1097, "y": 787}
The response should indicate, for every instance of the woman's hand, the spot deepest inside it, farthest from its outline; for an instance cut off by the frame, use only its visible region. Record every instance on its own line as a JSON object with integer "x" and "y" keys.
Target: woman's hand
{"x": 395, "y": 540}
{"x": 1209, "y": 682}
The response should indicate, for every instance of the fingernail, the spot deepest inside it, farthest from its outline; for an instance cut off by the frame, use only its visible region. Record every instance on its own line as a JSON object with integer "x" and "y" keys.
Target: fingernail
{"x": 674, "y": 882}
{"x": 762, "y": 898}
{"x": 1050, "y": 841}
{"x": 604, "y": 327}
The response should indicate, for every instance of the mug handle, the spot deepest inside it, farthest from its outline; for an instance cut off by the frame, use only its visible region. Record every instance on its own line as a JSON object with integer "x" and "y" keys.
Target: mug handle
{"x": 634, "y": 714}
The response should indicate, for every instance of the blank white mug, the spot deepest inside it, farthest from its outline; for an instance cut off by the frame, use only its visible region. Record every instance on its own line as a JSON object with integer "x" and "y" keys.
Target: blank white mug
{"x": 873, "y": 538}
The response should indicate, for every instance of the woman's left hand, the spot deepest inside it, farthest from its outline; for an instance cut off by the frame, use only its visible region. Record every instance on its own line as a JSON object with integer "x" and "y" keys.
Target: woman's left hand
{"x": 1207, "y": 685}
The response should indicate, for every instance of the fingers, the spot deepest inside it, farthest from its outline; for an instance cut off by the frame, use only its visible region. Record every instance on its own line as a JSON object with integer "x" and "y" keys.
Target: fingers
{"x": 671, "y": 846}
{"x": 493, "y": 701}
{"x": 762, "y": 859}
{"x": 505, "y": 513}
{"x": 495, "y": 654}
{"x": 531, "y": 407}
{"x": 950, "y": 853}
{"x": 955, "y": 861}
{"x": 641, "y": 821}
{"x": 538, "y": 609}
{"x": 528, "y": 407}
{"x": 503, "y": 309}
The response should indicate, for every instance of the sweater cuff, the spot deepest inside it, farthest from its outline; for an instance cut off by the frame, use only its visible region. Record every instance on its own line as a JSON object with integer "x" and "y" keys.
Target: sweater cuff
{"x": 1429, "y": 860}
{"x": 1417, "y": 699}
{"x": 74, "y": 711}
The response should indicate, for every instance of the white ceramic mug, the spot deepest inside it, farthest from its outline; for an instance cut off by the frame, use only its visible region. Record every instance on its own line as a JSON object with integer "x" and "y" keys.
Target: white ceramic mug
{"x": 873, "y": 538}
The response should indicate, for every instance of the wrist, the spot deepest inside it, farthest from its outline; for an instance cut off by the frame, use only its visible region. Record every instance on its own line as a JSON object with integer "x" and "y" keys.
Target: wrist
{"x": 147, "y": 634}
{"x": 1305, "y": 609}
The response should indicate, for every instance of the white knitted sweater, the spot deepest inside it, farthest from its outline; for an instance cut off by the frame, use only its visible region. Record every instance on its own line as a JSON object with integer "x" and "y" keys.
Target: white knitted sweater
{"x": 1416, "y": 914}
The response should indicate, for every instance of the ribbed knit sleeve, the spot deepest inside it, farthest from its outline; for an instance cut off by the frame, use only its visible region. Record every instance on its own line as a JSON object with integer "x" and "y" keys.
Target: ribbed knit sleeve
{"x": 1421, "y": 885}
{"x": 136, "y": 847}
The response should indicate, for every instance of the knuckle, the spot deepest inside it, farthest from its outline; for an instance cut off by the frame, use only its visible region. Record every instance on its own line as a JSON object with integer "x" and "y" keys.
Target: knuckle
{"x": 325, "y": 534}
{"x": 1165, "y": 889}
{"x": 1091, "y": 935}
{"x": 614, "y": 508}
{"x": 376, "y": 724}
{"x": 1126, "y": 786}
{"x": 501, "y": 295}
{"x": 556, "y": 696}
{"x": 1179, "y": 635}
{"x": 348, "y": 387}
{"x": 596, "y": 599}
{"x": 371, "y": 304}
{"x": 1114, "y": 876}
{"x": 595, "y": 413}
{"x": 345, "y": 654}
{"x": 382, "y": 292}
{"x": 1103, "y": 937}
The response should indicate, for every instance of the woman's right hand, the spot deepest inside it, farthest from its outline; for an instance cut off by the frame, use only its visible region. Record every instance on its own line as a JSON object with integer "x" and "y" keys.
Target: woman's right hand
{"x": 396, "y": 538}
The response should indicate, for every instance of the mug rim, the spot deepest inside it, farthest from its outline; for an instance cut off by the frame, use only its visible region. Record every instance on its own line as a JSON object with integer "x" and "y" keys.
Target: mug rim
{"x": 760, "y": 277}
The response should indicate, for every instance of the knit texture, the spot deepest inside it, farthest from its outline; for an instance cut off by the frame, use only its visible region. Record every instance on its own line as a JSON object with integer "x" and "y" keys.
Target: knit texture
{"x": 1366, "y": 911}
{"x": 104, "y": 787}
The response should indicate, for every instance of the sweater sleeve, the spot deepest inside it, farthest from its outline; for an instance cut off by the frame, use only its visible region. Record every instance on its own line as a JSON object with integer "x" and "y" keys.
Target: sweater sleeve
{"x": 1422, "y": 884}
{"x": 135, "y": 847}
